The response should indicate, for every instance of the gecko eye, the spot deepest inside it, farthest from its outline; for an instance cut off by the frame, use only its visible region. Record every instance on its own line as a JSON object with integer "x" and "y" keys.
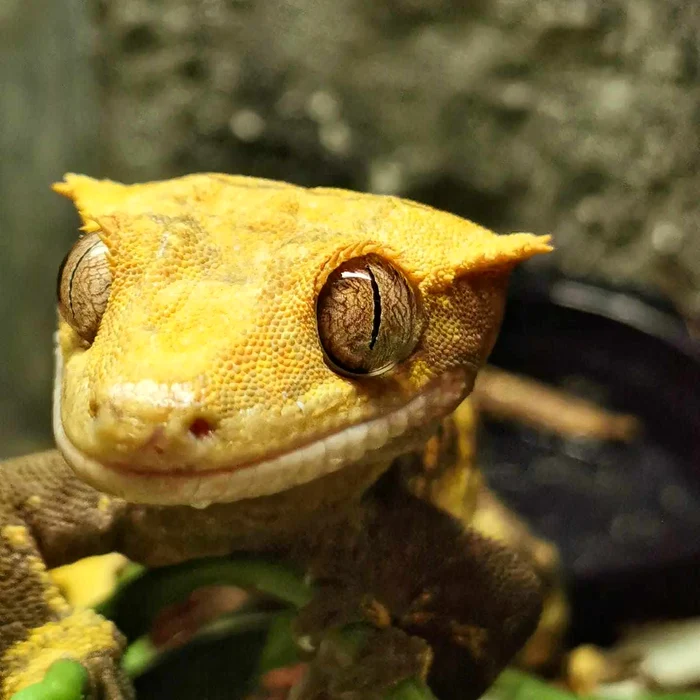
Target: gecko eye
{"x": 369, "y": 316}
{"x": 84, "y": 280}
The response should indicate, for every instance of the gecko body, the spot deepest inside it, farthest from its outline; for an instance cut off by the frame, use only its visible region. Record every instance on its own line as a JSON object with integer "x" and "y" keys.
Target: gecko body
{"x": 246, "y": 365}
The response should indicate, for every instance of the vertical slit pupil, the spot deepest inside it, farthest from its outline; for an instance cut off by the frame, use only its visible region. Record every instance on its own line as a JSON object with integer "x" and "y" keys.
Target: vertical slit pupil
{"x": 377, "y": 299}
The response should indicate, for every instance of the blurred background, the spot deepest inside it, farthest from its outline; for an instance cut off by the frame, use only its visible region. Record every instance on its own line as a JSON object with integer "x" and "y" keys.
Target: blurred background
{"x": 573, "y": 117}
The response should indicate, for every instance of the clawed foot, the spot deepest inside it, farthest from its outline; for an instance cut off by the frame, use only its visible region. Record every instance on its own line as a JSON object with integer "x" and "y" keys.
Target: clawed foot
{"x": 83, "y": 637}
{"x": 362, "y": 663}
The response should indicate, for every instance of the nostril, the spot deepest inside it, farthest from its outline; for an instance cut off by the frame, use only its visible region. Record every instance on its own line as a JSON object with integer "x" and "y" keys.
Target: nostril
{"x": 201, "y": 428}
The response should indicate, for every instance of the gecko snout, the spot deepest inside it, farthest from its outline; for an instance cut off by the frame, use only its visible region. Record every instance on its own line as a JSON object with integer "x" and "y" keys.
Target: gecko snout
{"x": 149, "y": 424}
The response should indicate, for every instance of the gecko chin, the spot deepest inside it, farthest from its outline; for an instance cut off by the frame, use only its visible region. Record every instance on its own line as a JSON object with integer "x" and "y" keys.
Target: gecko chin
{"x": 379, "y": 439}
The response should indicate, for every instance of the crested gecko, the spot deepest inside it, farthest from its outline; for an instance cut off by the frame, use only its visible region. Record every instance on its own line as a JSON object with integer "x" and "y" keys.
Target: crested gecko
{"x": 248, "y": 365}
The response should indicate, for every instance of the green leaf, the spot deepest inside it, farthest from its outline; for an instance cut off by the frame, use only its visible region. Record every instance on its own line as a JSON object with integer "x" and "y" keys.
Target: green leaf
{"x": 280, "y": 648}
{"x": 135, "y": 605}
{"x": 410, "y": 690}
{"x": 64, "y": 680}
{"x": 516, "y": 685}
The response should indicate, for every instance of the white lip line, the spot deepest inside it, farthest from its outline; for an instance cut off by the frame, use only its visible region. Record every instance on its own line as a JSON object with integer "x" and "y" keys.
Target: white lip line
{"x": 265, "y": 477}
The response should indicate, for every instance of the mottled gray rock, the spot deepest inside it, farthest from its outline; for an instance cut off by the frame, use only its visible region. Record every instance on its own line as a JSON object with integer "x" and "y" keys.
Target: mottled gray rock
{"x": 47, "y": 126}
{"x": 577, "y": 117}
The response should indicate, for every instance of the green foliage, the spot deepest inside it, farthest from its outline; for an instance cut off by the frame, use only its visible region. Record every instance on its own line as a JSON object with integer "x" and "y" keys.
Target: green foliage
{"x": 64, "y": 680}
{"x": 517, "y": 685}
{"x": 141, "y": 594}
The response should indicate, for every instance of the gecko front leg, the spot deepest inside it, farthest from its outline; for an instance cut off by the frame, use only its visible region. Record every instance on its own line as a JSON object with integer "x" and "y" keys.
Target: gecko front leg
{"x": 444, "y": 602}
{"x": 48, "y": 517}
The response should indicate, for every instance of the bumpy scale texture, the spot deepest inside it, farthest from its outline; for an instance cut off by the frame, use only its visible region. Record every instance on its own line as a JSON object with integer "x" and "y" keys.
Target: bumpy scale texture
{"x": 207, "y": 361}
{"x": 212, "y": 314}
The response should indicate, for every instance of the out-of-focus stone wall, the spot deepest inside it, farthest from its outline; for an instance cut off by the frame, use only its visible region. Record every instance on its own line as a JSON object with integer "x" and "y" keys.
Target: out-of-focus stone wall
{"x": 575, "y": 117}
{"x": 47, "y": 126}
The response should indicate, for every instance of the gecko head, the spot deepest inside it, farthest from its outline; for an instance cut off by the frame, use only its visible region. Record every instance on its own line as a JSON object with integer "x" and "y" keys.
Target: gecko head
{"x": 223, "y": 338}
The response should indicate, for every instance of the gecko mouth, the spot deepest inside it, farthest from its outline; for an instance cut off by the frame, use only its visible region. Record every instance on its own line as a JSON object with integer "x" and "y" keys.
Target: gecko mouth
{"x": 373, "y": 439}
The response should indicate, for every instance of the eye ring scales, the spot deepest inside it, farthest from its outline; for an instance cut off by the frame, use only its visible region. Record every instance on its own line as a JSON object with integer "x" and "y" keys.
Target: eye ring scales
{"x": 369, "y": 317}
{"x": 84, "y": 281}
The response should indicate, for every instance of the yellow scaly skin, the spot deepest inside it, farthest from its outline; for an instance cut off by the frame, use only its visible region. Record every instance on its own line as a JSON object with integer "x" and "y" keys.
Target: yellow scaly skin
{"x": 211, "y": 321}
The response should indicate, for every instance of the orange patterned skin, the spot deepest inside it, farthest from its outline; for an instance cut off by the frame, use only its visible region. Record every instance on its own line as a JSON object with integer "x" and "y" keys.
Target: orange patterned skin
{"x": 206, "y": 385}
{"x": 212, "y": 315}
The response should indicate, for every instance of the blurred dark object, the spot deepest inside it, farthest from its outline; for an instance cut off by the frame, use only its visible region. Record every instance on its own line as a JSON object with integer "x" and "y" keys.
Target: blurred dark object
{"x": 626, "y": 516}
{"x": 210, "y": 669}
